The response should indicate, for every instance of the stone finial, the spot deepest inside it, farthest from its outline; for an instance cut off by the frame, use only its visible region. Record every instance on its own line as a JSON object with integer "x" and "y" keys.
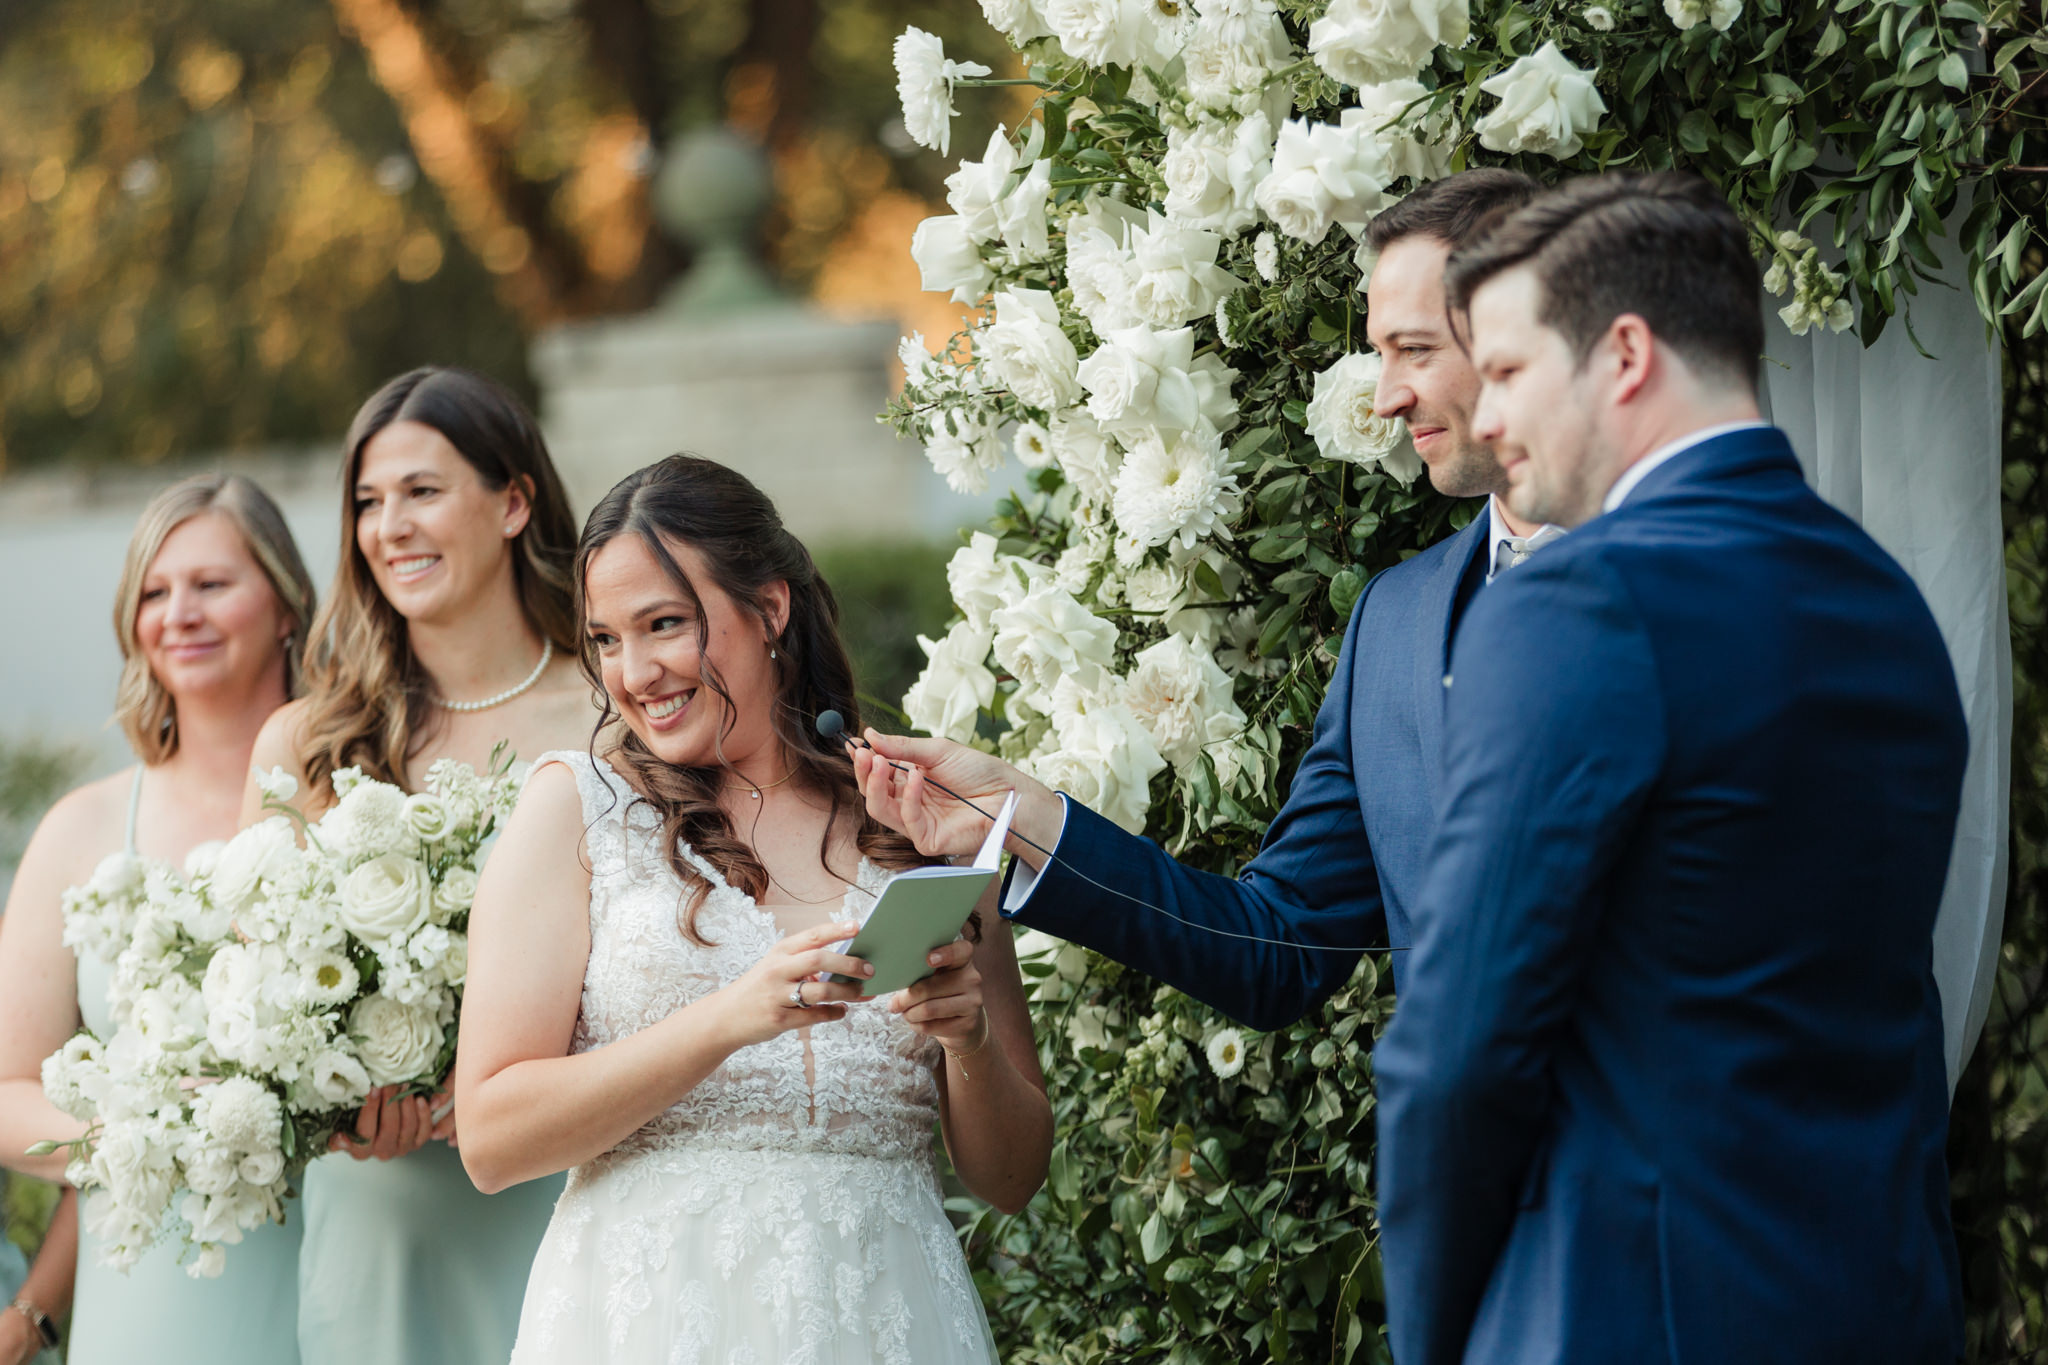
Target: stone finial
{"x": 712, "y": 192}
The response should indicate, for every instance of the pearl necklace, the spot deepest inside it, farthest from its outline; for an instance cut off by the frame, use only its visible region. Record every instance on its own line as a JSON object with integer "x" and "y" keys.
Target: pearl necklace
{"x": 547, "y": 654}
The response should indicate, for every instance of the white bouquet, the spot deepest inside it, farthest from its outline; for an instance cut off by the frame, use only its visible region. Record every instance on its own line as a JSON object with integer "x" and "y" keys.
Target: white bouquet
{"x": 259, "y": 996}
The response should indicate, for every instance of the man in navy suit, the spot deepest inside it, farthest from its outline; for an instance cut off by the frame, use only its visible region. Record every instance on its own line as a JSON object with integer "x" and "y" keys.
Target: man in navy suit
{"x": 1342, "y": 863}
{"x": 1666, "y": 1079}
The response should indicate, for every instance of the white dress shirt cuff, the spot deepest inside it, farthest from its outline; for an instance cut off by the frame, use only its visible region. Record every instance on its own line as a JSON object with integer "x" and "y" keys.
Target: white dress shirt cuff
{"x": 1024, "y": 877}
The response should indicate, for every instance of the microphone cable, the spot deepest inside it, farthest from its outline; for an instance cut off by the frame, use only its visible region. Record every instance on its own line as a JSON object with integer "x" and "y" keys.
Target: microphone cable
{"x": 831, "y": 727}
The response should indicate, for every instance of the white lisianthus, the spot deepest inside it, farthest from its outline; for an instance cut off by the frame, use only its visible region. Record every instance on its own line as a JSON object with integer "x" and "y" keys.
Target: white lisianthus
{"x": 339, "y": 1078}
{"x": 1183, "y": 487}
{"x": 956, "y": 683}
{"x": 1719, "y": 13}
{"x": 345, "y": 780}
{"x": 1102, "y": 757}
{"x": 261, "y": 1168}
{"x": 1085, "y": 454}
{"x": 924, "y": 83}
{"x": 118, "y": 874}
{"x": 1599, "y": 18}
{"x": 1547, "y": 105}
{"x": 1182, "y": 699}
{"x": 387, "y": 897}
{"x": 948, "y": 261}
{"x": 239, "y": 1113}
{"x": 203, "y": 858}
{"x": 67, "y": 1073}
{"x": 1032, "y": 445}
{"x": 1325, "y": 174}
{"x": 1178, "y": 279}
{"x": 965, "y": 447}
{"x": 1364, "y": 42}
{"x": 1027, "y": 351}
{"x": 456, "y": 891}
{"x": 1212, "y": 169}
{"x": 396, "y": 1041}
{"x": 979, "y": 581}
{"x": 1345, "y": 427}
{"x": 1141, "y": 380}
{"x": 1414, "y": 142}
{"x": 264, "y": 851}
{"x": 427, "y": 817}
{"x": 1046, "y": 635}
{"x": 1225, "y": 1050}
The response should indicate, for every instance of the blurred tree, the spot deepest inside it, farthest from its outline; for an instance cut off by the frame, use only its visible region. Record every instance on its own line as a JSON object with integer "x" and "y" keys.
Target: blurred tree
{"x": 222, "y": 223}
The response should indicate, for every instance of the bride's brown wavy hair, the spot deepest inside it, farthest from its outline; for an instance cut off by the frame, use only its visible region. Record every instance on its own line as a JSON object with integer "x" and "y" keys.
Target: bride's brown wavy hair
{"x": 367, "y": 702}
{"x": 688, "y": 501}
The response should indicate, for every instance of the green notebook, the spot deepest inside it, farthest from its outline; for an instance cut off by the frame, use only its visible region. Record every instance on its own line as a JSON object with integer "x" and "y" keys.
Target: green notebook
{"x": 920, "y": 910}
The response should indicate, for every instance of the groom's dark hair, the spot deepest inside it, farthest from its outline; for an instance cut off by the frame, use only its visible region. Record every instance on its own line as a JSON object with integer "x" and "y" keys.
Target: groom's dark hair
{"x": 1458, "y": 209}
{"x": 1665, "y": 247}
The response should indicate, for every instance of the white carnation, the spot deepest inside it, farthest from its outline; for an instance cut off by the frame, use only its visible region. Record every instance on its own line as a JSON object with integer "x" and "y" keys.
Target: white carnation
{"x": 1325, "y": 174}
{"x": 1180, "y": 487}
{"x": 385, "y": 898}
{"x": 1266, "y": 256}
{"x": 1177, "y": 279}
{"x": 956, "y": 684}
{"x": 396, "y": 1041}
{"x": 1212, "y": 169}
{"x": 1141, "y": 380}
{"x": 948, "y": 259}
{"x": 924, "y": 83}
{"x": 1112, "y": 32}
{"x": 1345, "y": 427}
{"x": 1363, "y": 42}
{"x": 1547, "y": 105}
{"x": 1182, "y": 699}
{"x": 1027, "y": 351}
{"x": 1046, "y": 634}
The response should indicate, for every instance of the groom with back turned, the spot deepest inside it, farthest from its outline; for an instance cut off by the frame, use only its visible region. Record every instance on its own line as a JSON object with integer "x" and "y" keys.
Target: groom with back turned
{"x": 1666, "y": 1078}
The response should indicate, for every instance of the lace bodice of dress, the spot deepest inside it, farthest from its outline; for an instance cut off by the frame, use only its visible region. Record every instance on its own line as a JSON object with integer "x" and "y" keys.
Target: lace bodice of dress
{"x": 869, "y": 1087}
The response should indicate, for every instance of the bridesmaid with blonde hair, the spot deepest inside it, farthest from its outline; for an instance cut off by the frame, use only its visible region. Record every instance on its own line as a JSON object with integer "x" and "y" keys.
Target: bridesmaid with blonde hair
{"x": 211, "y": 615}
{"x": 449, "y": 631}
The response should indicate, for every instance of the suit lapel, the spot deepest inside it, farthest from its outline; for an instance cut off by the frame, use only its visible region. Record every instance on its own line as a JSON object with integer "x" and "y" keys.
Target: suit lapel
{"x": 1433, "y": 623}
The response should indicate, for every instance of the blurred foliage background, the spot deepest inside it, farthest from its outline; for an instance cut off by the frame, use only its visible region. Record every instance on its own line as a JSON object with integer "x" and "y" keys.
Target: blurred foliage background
{"x": 222, "y": 222}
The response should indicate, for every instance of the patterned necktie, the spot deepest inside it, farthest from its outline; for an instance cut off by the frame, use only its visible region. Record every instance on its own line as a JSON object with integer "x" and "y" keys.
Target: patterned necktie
{"x": 1512, "y": 550}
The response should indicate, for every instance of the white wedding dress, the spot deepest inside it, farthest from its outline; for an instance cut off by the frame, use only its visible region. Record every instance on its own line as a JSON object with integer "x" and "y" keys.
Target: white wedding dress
{"x": 787, "y": 1211}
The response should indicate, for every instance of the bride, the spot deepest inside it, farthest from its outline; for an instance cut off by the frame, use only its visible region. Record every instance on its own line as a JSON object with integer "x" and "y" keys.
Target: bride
{"x": 751, "y": 1174}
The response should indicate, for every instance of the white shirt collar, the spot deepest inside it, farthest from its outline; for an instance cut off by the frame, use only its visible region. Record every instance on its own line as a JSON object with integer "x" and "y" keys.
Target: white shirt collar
{"x": 1640, "y": 470}
{"x": 1498, "y": 530}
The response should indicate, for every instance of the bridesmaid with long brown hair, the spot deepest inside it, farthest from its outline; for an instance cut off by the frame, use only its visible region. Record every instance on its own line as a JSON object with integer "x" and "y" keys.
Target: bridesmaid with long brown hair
{"x": 449, "y": 631}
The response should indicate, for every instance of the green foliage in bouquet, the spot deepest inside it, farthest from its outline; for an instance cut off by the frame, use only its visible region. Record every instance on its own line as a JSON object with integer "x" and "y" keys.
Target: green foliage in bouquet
{"x": 1168, "y": 253}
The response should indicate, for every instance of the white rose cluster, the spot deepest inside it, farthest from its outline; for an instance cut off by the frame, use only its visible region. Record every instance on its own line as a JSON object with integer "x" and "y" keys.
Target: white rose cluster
{"x": 258, "y": 997}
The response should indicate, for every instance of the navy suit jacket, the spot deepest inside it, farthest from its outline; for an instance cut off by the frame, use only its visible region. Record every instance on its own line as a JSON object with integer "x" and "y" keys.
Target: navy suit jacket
{"x": 1666, "y": 1083}
{"x": 1343, "y": 861}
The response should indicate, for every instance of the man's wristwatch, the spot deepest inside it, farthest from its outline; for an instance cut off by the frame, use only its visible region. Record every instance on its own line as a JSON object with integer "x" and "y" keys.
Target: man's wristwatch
{"x": 38, "y": 1319}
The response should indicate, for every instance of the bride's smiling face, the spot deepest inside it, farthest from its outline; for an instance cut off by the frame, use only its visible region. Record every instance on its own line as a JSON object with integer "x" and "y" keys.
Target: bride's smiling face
{"x": 658, "y": 649}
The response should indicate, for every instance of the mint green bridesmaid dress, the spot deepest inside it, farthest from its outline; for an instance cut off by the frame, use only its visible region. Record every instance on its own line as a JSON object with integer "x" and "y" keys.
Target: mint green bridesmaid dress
{"x": 156, "y": 1314}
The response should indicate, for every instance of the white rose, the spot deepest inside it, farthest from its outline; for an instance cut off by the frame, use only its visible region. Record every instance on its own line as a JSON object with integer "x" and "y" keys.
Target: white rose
{"x": 1546, "y": 105}
{"x": 1362, "y": 42}
{"x": 1085, "y": 454}
{"x": 210, "y": 1170}
{"x": 1140, "y": 379}
{"x": 1047, "y": 635}
{"x": 1345, "y": 427}
{"x": 456, "y": 892}
{"x": 1183, "y": 486}
{"x": 924, "y": 84}
{"x": 455, "y": 958}
{"x": 1102, "y": 757}
{"x": 233, "y": 988}
{"x": 427, "y": 817}
{"x": 1018, "y": 20}
{"x": 339, "y": 1079}
{"x": 385, "y": 898}
{"x": 974, "y": 190}
{"x": 1182, "y": 699}
{"x": 1026, "y": 350}
{"x": 956, "y": 684}
{"x": 1719, "y": 13}
{"x": 1212, "y": 169}
{"x": 1325, "y": 174}
{"x": 1414, "y": 144}
{"x": 978, "y": 581}
{"x": 261, "y": 1168}
{"x": 948, "y": 259}
{"x": 264, "y": 851}
{"x": 1178, "y": 279}
{"x": 1228, "y": 64}
{"x": 397, "y": 1042}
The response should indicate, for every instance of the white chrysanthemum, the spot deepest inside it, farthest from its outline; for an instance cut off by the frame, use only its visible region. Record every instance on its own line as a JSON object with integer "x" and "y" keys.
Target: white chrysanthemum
{"x": 1026, "y": 351}
{"x": 329, "y": 979}
{"x": 1225, "y": 1050}
{"x": 1032, "y": 445}
{"x": 1181, "y": 488}
{"x": 241, "y": 1114}
{"x": 1362, "y": 42}
{"x": 1324, "y": 175}
{"x": 1345, "y": 427}
{"x": 1413, "y": 142}
{"x": 1719, "y": 13}
{"x": 965, "y": 448}
{"x": 1177, "y": 279}
{"x": 367, "y": 822}
{"x": 956, "y": 684}
{"x": 1547, "y": 105}
{"x": 1046, "y": 635}
{"x": 924, "y": 83}
{"x": 1182, "y": 699}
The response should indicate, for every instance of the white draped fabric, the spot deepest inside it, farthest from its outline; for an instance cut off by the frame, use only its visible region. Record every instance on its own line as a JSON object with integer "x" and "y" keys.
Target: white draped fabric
{"x": 1910, "y": 447}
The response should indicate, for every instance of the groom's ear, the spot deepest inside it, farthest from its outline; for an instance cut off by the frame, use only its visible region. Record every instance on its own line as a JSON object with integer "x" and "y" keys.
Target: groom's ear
{"x": 1628, "y": 351}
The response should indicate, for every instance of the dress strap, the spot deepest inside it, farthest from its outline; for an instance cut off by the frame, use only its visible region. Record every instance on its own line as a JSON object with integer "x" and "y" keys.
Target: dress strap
{"x": 134, "y": 809}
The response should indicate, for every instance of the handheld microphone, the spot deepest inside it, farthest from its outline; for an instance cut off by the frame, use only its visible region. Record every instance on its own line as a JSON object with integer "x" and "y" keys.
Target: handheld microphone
{"x": 832, "y": 726}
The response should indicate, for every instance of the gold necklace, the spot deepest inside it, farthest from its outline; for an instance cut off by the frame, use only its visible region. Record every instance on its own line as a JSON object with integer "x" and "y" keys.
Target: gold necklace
{"x": 755, "y": 791}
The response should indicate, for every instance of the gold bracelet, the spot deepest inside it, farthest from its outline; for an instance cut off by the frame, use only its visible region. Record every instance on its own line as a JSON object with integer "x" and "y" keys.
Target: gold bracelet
{"x": 961, "y": 1057}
